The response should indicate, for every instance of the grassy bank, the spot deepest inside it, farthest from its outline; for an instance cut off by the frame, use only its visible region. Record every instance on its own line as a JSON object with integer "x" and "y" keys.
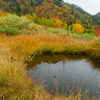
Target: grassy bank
{"x": 14, "y": 50}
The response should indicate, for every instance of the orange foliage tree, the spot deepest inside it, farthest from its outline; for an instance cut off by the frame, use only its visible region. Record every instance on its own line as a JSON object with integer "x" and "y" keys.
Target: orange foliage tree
{"x": 78, "y": 28}
{"x": 2, "y": 13}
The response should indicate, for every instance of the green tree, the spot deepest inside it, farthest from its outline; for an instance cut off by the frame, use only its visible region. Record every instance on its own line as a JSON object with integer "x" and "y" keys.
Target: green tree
{"x": 19, "y": 11}
{"x": 33, "y": 2}
{"x": 57, "y": 2}
{"x": 1, "y": 3}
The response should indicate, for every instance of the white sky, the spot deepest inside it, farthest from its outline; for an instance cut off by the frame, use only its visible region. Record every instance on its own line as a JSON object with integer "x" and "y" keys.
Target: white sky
{"x": 90, "y": 6}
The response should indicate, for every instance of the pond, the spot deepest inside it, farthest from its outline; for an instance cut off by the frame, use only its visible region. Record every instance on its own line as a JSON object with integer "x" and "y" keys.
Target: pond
{"x": 64, "y": 73}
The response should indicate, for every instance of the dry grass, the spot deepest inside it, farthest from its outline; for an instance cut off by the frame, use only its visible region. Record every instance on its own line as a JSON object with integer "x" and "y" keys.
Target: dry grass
{"x": 14, "y": 82}
{"x": 28, "y": 44}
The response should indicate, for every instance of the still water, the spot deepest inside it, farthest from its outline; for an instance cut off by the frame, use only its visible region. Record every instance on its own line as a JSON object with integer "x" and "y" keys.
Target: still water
{"x": 71, "y": 71}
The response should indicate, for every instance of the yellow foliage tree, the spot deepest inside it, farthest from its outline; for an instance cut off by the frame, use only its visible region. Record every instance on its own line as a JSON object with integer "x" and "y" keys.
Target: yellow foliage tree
{"x": 34, "y": 15}
{"x": 78, "y": 28}
{"x": 58, "y": 21}
{"x": 2, "y": 13}
{"x": 29, "y": 16}
{"x": 65, "y": 25}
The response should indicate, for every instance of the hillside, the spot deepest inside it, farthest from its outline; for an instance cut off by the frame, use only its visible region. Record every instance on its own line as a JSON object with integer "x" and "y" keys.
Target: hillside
{"x": 96, "y": 18}
{"x": 98, "y": 15}
{"x": 52, "y": 9}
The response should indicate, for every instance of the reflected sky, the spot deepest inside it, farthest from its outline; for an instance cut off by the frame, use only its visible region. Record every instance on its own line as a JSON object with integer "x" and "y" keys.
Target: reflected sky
{"x": 70, "y": 70}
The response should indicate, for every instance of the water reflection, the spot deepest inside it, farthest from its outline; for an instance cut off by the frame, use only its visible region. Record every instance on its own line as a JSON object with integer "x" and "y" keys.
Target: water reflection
{"x": 54, "y": 58}
{"x": 66, "y": 68}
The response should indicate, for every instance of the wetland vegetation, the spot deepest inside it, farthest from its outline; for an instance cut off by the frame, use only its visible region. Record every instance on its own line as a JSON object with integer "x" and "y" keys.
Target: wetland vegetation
{"x": 17, "y": 49}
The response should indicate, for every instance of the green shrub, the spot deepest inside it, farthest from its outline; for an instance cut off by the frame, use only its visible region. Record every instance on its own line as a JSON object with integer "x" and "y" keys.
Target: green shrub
{"x": 44, "y": 21}
{"x": 89, "y": 30}
{"x": 12, "y": 24}
{"x": 56, "y": 30}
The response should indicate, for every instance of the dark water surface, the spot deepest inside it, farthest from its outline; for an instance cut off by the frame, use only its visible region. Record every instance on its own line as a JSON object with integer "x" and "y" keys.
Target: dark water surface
{"x": 70, "y": 71}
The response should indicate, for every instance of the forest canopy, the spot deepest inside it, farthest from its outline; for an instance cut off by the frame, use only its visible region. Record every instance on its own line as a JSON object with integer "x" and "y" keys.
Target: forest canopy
{"x": 52, "y": 9}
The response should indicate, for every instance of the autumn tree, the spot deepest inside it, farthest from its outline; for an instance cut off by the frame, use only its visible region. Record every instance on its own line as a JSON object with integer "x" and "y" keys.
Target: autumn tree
{"x": 2, "y": 13}
{"x": 78, "y": 28}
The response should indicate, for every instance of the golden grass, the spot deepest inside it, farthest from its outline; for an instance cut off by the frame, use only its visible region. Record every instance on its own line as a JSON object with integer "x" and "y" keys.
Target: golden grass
{"x": 14, "y": 82}
{"x": 31, "y": 43}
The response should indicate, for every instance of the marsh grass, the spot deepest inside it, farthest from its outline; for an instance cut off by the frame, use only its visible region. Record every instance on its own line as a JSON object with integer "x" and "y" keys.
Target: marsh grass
{"x": 72, "y": 93}
{"x": 84, "y": 35}
{"x": 14, "y": 82}
{"x": 28, "y": 44}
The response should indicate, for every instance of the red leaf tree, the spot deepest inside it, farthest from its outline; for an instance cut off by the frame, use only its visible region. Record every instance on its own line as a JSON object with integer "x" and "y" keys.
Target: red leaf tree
{"x": 97, "y": 32}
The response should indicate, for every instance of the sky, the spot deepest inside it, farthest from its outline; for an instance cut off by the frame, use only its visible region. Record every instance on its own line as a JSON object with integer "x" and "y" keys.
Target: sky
{"x": 90, "y": 6}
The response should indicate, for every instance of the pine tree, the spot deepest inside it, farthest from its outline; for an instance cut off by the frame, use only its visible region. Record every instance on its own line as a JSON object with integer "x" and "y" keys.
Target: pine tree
{"x": 19, "y": 11}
